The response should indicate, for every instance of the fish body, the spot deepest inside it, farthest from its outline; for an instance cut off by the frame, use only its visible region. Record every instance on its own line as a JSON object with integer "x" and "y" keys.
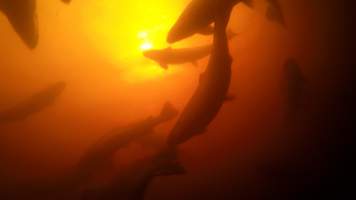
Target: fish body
{"x": 22, "y": 15}
{"x": 212, "y": 89}
{"x": 167, "y": 56}
{"x": 33, "y": 105}
{"x": 101, "y": 153}
{"x": 132, "y": 184}
{"x": 170, "y": 56}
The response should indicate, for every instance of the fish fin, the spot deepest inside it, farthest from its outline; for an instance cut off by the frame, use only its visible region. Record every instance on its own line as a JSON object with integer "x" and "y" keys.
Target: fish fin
{"x": 229, "y": 97}
{"x": 25, "y": 26}
{"x": 195, "y": 63}
{"x": 163, "y": 65}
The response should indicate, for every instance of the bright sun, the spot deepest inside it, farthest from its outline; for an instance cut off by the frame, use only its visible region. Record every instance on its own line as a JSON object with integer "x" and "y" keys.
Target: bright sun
{"x": 146, "y": 43}
{"x": 122, "y": 30}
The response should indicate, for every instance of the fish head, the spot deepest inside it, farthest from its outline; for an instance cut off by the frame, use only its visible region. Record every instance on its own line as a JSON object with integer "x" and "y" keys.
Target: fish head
{"x": 152, "y": 54}
{"x": 23, "y": 18}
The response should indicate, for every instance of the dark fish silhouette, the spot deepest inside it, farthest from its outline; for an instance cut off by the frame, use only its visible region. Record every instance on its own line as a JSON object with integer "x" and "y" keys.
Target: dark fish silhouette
{"x": 66, "y": 1}
{"x": 23, "y": 18}
{"x": 212, "y": 89}
{"x": 22, "y": 15}
{"x": 101, "y": 153}
{"x": 132, "y": 184}
{"x": 274, "y": 12}
{"x": 197, "y": 18}
{"x": 34, "y": 104}
{"x": 165, "y": 57}
{"x": 295, "y": 87}
{"x": 99, "y": 156}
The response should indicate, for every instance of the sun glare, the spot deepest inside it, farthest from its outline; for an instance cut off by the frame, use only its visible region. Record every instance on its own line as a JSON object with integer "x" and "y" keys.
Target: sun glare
{"x": 146, "y": 43}
{"x": 146, "y": 46}
{"x": 122, "y": 30}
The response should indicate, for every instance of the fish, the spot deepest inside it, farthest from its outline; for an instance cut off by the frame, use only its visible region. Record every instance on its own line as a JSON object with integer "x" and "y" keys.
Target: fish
{"x": 212, "y": 90}
{"x": 167, "y": 56}
{"x": 66, "y": 1}
{"x": 170, "y": 56}
{"x": 132, "y": 184}
{"x": 22, "y": 15}
{"x": 100, "y": 154}
{"x": 36, "y": 103}
{"x": 198, "y": 17}
{"x": 97, "y": 157}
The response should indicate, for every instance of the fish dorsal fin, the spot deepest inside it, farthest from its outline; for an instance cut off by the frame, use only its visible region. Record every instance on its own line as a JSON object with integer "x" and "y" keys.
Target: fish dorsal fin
{"x": 163, "y": 65}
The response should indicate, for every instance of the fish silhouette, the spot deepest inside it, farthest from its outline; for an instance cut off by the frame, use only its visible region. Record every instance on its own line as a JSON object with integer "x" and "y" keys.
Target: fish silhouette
{"x": 132, "y": 183}
{"x": 212, "y": 89}
{"x": 22, "y": 16}
{"x": 100, "y": 154}
{"x": 169, "y": 56}
{"x": 34, "y": 104}
{"x": 198, "y": 17}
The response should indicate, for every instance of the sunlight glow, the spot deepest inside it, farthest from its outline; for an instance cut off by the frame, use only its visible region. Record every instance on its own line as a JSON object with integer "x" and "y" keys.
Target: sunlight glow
{"x": 122, "y": 30}
{"x": 146, "y": 43}
{"x": 146, "y": 46}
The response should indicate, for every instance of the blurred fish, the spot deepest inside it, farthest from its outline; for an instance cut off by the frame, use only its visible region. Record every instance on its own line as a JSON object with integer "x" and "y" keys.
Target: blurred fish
{"x": 34, "y": 104}
{"x": 198, "y": 17}
{"x": 22, "y": 15}
{"x": 23, "y": 18}
{"x": 274, "y": 12}
{"x": 66, "y": 1}
{"x": 168, "y": 56}
{"x": 101, "y": 153}
{"x": 132, "y": 183}
{"x": 212, "y": 89}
